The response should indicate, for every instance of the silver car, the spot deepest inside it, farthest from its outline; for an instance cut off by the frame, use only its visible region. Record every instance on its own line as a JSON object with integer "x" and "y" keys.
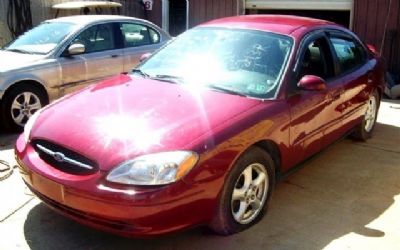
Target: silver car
{"x": 62, "y": 55}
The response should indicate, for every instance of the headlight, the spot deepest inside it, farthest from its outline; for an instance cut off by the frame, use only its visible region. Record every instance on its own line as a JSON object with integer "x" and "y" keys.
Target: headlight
{"x": 29, "y": 125}
{"x": 154, "y": 169}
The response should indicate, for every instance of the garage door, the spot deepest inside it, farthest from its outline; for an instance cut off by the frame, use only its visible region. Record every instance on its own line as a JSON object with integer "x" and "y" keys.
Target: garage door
{"x": 300, "y": 4}
{"x": 338, "y": 11}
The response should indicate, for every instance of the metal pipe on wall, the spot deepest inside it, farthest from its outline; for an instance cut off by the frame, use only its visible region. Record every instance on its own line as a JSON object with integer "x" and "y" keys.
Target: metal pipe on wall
{"x": 187, "y": 14}
{"x": 239, "y": 4}
{"x": 165, "y": 14}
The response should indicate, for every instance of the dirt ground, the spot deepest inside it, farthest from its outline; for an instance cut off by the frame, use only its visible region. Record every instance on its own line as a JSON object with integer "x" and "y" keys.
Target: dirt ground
{"x": 347, "y": 197}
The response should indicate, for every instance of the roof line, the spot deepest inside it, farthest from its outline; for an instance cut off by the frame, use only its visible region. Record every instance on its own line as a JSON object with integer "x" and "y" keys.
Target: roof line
{"x": 297, "y": 28}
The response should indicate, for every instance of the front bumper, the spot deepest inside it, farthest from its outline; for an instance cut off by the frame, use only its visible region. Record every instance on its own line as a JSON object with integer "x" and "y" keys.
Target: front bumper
{"x": 127, "y": 211}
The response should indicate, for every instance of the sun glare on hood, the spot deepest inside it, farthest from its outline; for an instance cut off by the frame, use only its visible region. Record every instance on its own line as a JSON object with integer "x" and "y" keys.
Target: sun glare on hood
{"x": 132, "y": 131}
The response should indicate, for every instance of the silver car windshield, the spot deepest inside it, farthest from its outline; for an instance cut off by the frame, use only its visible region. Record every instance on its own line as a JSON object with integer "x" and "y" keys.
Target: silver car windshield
{"x": 242, "y": 62}
{"x": 42, "y": 39}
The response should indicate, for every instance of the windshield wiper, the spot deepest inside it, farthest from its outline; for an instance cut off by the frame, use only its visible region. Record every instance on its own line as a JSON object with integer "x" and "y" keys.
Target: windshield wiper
{"x": 140, "y": 72}
{"x": 165, "y": 78}
{"x": 222, "y": 89}
{"x": 20, "y": 51}
{"x": 168, "y": 78}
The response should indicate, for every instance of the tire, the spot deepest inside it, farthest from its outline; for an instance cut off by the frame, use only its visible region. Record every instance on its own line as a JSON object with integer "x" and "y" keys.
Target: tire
{"x": 20, "y": 103}
{"x": 231, "y": 215}
{"x": 365, "y": 129}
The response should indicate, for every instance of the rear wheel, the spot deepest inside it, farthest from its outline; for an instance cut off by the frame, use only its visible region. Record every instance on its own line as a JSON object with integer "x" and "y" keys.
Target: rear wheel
{"x": 19, "y": 104}
{"x": 245, "y": 193}
{"x": 364, "y": 130}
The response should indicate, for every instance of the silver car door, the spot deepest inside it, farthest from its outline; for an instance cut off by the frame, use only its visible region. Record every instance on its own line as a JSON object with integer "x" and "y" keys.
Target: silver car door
{"x": 102, "y": 58}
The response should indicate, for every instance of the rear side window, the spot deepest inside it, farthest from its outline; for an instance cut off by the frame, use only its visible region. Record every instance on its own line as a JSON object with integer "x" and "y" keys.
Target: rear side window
{"x": 349, "y": 53}
{"x": 135, "y": 35}
{"x": 154, "y": 36}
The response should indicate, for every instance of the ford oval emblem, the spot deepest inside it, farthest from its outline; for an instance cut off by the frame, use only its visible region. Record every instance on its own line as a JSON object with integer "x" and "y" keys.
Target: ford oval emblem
{"x": 60, "y": 157}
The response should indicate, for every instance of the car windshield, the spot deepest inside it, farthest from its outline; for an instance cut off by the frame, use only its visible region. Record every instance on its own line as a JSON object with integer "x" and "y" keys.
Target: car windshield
{"x": 42, "y": 39}
{"x": 243, "y": 62}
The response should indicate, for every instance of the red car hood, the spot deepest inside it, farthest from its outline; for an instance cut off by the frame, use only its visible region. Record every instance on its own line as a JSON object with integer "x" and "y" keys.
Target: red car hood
{"x": 126, "y": 116}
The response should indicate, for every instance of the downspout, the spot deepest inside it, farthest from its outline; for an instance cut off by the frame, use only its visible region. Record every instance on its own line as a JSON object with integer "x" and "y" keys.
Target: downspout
{"x": 351, "y": 25}
{"x": 165, "y": 15}
{"x": 241, "y": 3}
{"x": 187, "y": 14}
{"x": 386, "y": 28}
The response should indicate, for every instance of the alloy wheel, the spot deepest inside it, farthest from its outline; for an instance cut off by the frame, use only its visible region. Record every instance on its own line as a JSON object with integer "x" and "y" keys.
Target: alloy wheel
{"x": 249, "y": 193}
{"x": 24, "y": 106}
{"x": 370, "y": 114}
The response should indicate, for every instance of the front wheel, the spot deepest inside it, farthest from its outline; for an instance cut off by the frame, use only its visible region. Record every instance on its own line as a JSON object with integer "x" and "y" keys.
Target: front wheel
{"x": 364, "y": 130}
{"x": 245, "y": 193}
{"x": 20, "y": 104}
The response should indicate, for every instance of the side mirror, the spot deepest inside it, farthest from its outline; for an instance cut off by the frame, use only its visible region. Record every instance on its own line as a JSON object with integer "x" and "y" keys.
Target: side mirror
{"x": 76, "y": 49}
{"x": 373, "y": 49}
{"x": 313, "y": 83}
{"x": 144, "y": 57}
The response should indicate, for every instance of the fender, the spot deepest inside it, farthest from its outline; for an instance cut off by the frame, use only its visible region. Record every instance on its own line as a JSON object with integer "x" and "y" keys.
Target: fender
{"x": 11, "y": 80}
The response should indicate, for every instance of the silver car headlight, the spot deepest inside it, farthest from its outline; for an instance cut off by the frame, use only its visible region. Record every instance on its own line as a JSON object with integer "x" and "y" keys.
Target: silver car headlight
{"x": 28, "y": 126}
{"x": 154, "y": 169}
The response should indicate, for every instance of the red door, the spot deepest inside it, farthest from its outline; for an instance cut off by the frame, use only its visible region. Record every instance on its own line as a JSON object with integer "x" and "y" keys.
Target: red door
{"x": 312, "y": 110}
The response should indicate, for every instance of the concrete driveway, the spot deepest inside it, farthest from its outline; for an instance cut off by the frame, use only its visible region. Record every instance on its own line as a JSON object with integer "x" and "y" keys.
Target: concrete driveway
{"x": 347, "y": 197}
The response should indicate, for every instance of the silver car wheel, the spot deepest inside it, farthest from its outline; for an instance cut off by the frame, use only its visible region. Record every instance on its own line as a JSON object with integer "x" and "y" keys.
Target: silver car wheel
{"x": 370, "y": 114}
{"x": 249, "y": 193}
{"x": 24, "y": 106}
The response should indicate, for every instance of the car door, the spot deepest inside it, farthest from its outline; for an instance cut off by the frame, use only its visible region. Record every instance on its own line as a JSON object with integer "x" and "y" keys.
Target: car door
{"x": 355, "y": 72}
{"x": 102, "y": 58}
{"x": 311, "y": 110}
{"x": 137, "y": 39}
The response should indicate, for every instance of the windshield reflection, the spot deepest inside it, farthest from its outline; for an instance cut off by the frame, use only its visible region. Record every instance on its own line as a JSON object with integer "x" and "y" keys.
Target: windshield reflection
{"x": 42, "y": 39}
{"x": 245, "y": 62}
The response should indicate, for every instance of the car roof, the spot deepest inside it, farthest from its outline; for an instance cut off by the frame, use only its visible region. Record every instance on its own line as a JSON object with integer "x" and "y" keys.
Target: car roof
{"x": 284, "y": 24}
{"x": 87, "y": 19}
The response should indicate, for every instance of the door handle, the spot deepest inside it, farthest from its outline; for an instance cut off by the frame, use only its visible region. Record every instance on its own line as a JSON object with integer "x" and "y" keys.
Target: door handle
{"x": 114, "y": 56}
{"x": 335, "y": 95}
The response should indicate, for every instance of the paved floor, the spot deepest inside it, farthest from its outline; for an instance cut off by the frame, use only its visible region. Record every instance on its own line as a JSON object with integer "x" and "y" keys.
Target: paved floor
{"x": 347, "y": 197}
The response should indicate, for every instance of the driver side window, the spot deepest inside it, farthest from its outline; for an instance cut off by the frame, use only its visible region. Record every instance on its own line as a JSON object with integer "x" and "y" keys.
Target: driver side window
{"x": 316, "y": 60}
{"x": 97, "y": 38}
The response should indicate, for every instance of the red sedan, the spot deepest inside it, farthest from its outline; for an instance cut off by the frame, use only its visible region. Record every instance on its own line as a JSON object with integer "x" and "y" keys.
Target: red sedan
{"x": 202, "y": 130}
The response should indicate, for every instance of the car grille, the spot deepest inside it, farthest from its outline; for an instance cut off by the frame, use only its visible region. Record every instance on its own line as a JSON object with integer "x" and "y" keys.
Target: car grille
{"x": 64, "y": 159}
